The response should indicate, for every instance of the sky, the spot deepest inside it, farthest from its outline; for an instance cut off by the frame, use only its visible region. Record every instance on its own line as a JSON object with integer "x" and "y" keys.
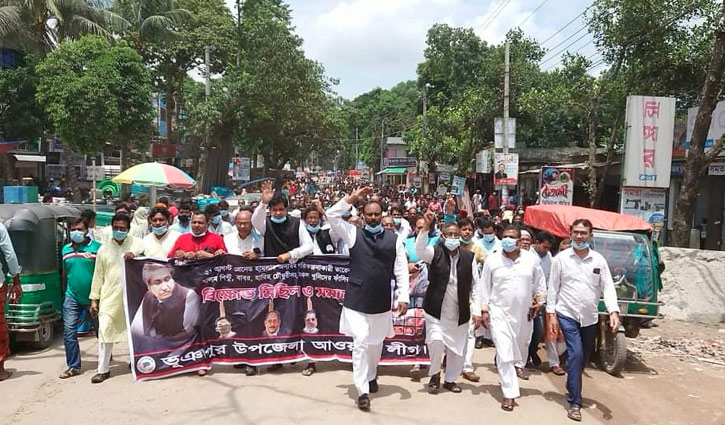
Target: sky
{"x": 378, "y": 43}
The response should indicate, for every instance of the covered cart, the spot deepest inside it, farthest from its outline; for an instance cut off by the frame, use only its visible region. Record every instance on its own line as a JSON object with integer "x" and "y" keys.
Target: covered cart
{"x": 634, "y": 261}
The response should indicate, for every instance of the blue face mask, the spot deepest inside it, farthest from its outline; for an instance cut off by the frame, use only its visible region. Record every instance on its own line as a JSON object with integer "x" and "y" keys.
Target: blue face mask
{"x": 508, "y": 244}
{"x": 378, "y": 228}
{"x": 216, "y": 220}
{"x": 466, "y": 241}
{"x": 489, "y": 238}
{"x": 580, "y": 246}
{"x": 397, "y": 221}
{"x": 452, "y": 244}
{"x": 158, "y": 231}
{"x": 278, "y": 220}
{"x": 313, "y": 229}
{"x": 77, "y": 236}
{"x": 120, "y": 235}
{"x": 224, "y": 213}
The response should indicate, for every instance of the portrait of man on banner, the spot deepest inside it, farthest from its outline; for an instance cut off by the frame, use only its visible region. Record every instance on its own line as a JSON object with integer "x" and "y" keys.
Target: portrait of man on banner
{"x": 506, "y": 169}
{"x": 168, "y": 316}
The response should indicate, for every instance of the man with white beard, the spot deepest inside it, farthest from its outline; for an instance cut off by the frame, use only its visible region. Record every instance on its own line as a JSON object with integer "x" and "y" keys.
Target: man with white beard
{"x": 510, "y": 280}
{"x": 377, "y": 256}
{"x": 453, "y": 276}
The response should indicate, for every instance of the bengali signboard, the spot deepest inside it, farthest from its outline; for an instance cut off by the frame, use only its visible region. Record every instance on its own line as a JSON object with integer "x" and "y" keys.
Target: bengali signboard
{"x": 498, "y": 133}
{"x": 648, "y": 144}
{"x": 459, "y": 184}
{"x": 184, "y": 316}
{"x": 483, "y": 161}
{"x": 400, "y": 162}
{"x": 646, "y": 203}
{"x": 556, "y": 186}
{"x": 506, "y": 169}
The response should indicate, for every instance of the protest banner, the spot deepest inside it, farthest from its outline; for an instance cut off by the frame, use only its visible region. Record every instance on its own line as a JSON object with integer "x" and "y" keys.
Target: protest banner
{"x": 183, "y": 317}
{"x": 556, "y": 186}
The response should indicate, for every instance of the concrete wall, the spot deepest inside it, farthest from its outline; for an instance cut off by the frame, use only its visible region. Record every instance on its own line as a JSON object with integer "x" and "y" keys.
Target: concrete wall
{"x": 693, "y": 285}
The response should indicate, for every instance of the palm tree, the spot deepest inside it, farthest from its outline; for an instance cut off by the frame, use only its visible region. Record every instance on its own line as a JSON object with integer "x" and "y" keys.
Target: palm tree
{"x": 39, "y": 25}
{"x": 151, "y": 20}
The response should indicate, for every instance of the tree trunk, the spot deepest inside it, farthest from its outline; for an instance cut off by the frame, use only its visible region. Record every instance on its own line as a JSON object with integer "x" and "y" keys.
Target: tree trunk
{"x": 608, "y": 163}
{"x": 592, "y": 142}
{"x": 697, "y": 159}
{"x": 71, "y": 177}
{"x": 169, "y": 114}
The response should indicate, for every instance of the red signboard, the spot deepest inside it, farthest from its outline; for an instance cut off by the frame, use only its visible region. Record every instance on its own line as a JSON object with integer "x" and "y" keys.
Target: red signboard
{"x": 163, "y": 150}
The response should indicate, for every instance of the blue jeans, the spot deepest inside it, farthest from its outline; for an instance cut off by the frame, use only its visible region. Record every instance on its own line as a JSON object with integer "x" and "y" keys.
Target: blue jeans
{"x": 579, "y": 344}
{"x": 71, "y": 314}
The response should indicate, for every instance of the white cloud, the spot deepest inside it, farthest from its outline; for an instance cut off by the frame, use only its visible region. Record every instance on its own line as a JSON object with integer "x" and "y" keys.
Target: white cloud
{"x": 378, "y": 43}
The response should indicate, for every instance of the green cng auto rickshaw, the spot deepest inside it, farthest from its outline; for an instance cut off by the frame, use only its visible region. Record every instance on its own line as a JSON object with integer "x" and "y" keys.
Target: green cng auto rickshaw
{"x": 634, "y": 262}
{"x": 37, "y": 233}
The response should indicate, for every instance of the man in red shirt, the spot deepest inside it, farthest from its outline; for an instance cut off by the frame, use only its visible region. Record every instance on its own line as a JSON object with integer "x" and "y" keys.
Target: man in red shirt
{"x": 200, "y": 243}
{"x": 493, "y": 202}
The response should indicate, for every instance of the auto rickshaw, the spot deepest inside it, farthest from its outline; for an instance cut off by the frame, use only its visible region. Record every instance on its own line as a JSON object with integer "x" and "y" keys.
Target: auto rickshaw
{"x": 37, "y": 233}
{"x": 626, "y": 243}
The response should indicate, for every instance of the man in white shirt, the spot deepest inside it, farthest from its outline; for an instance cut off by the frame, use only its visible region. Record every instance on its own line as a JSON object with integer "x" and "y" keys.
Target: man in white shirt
{"x": 245, "y": 241}
{"x": 477, "y": 199}
{"x": 511, "y": 279}
{"x": 542, "y": 248}
{"x": 216, "y": 221}
{"x": 376, "y": 257}
{"x": 579, "y": 277}
{"x": 402, "y": 226}
{"x": 486, "y": 234}
{"x": 159, "y": 242}
{"x": 454, "y": 277}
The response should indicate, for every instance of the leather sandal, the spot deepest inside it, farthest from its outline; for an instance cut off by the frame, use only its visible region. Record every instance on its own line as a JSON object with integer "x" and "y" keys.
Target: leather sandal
{"x": 574, "y": 413}
{"x": 507, "y": 404}
{"x": 69, "y": 373}
{"x": 452, "y": 387}
{"x": 434, "y": 385}
{"x": 558, "y": 371}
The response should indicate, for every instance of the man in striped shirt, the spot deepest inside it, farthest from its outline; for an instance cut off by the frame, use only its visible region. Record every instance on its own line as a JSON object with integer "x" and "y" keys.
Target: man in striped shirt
{"x": 79, "y": 263}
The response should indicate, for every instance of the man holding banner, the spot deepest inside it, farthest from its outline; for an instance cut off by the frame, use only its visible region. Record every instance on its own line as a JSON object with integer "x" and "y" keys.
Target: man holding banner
{"x": 376, "y": 257}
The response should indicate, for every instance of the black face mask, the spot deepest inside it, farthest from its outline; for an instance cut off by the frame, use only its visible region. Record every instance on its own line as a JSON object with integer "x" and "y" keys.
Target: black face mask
{"x": 184, "y": 218}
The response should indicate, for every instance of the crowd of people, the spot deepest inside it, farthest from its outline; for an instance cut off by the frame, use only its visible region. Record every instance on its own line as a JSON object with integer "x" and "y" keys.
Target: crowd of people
{"x": 490, "y": 281}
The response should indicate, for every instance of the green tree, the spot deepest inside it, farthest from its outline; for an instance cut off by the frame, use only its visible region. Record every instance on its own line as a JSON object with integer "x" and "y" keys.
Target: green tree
{"x": 172, "y": 55}
{"x": 38, "y": 26}
{"x": 151, "y": 20}
{"x": 96, "y": 93}
{"x": 668, "y": 48}
{"x": 381, "y": 113}
{"x": 21, "y": 117}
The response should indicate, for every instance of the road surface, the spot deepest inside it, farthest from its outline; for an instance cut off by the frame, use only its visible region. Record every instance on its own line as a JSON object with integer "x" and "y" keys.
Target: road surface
{"x": 661, "y": 390}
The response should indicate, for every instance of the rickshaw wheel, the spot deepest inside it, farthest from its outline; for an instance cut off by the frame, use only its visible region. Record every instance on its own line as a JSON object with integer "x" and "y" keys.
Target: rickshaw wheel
{"x": 45, "y": 336}
{"x": 611, "y": 350}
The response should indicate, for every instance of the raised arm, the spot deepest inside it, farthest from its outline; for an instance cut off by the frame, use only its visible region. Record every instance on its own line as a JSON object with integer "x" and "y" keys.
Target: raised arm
{"x": 422, "y": 249}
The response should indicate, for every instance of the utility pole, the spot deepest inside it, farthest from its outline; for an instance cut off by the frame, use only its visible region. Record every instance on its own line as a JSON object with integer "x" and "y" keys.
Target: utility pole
{"x": 239, "y": 33}
{"x": 357, "y": 146}
{"x": 207, "y": 67}
{"x": 382, "y": 150}
{"x": 504, "y": 189}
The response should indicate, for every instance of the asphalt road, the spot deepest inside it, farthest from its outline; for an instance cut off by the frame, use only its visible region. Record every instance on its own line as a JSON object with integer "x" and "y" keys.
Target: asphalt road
{"x": 660, "y": 390}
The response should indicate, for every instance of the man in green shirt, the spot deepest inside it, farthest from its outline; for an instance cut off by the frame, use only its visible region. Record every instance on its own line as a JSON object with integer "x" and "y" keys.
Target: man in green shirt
{"x": 79, "y": 262}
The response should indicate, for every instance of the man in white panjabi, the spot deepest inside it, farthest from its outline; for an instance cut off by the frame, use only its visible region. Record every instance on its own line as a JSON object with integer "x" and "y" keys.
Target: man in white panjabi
{"x": 511, "y": 279}
{"x": 453, "y": 276}
{"x": 376, "y": 257}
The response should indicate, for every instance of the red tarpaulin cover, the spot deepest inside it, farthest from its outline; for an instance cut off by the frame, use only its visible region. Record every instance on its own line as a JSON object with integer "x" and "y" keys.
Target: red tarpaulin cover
{"x": 557, "y": 219}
